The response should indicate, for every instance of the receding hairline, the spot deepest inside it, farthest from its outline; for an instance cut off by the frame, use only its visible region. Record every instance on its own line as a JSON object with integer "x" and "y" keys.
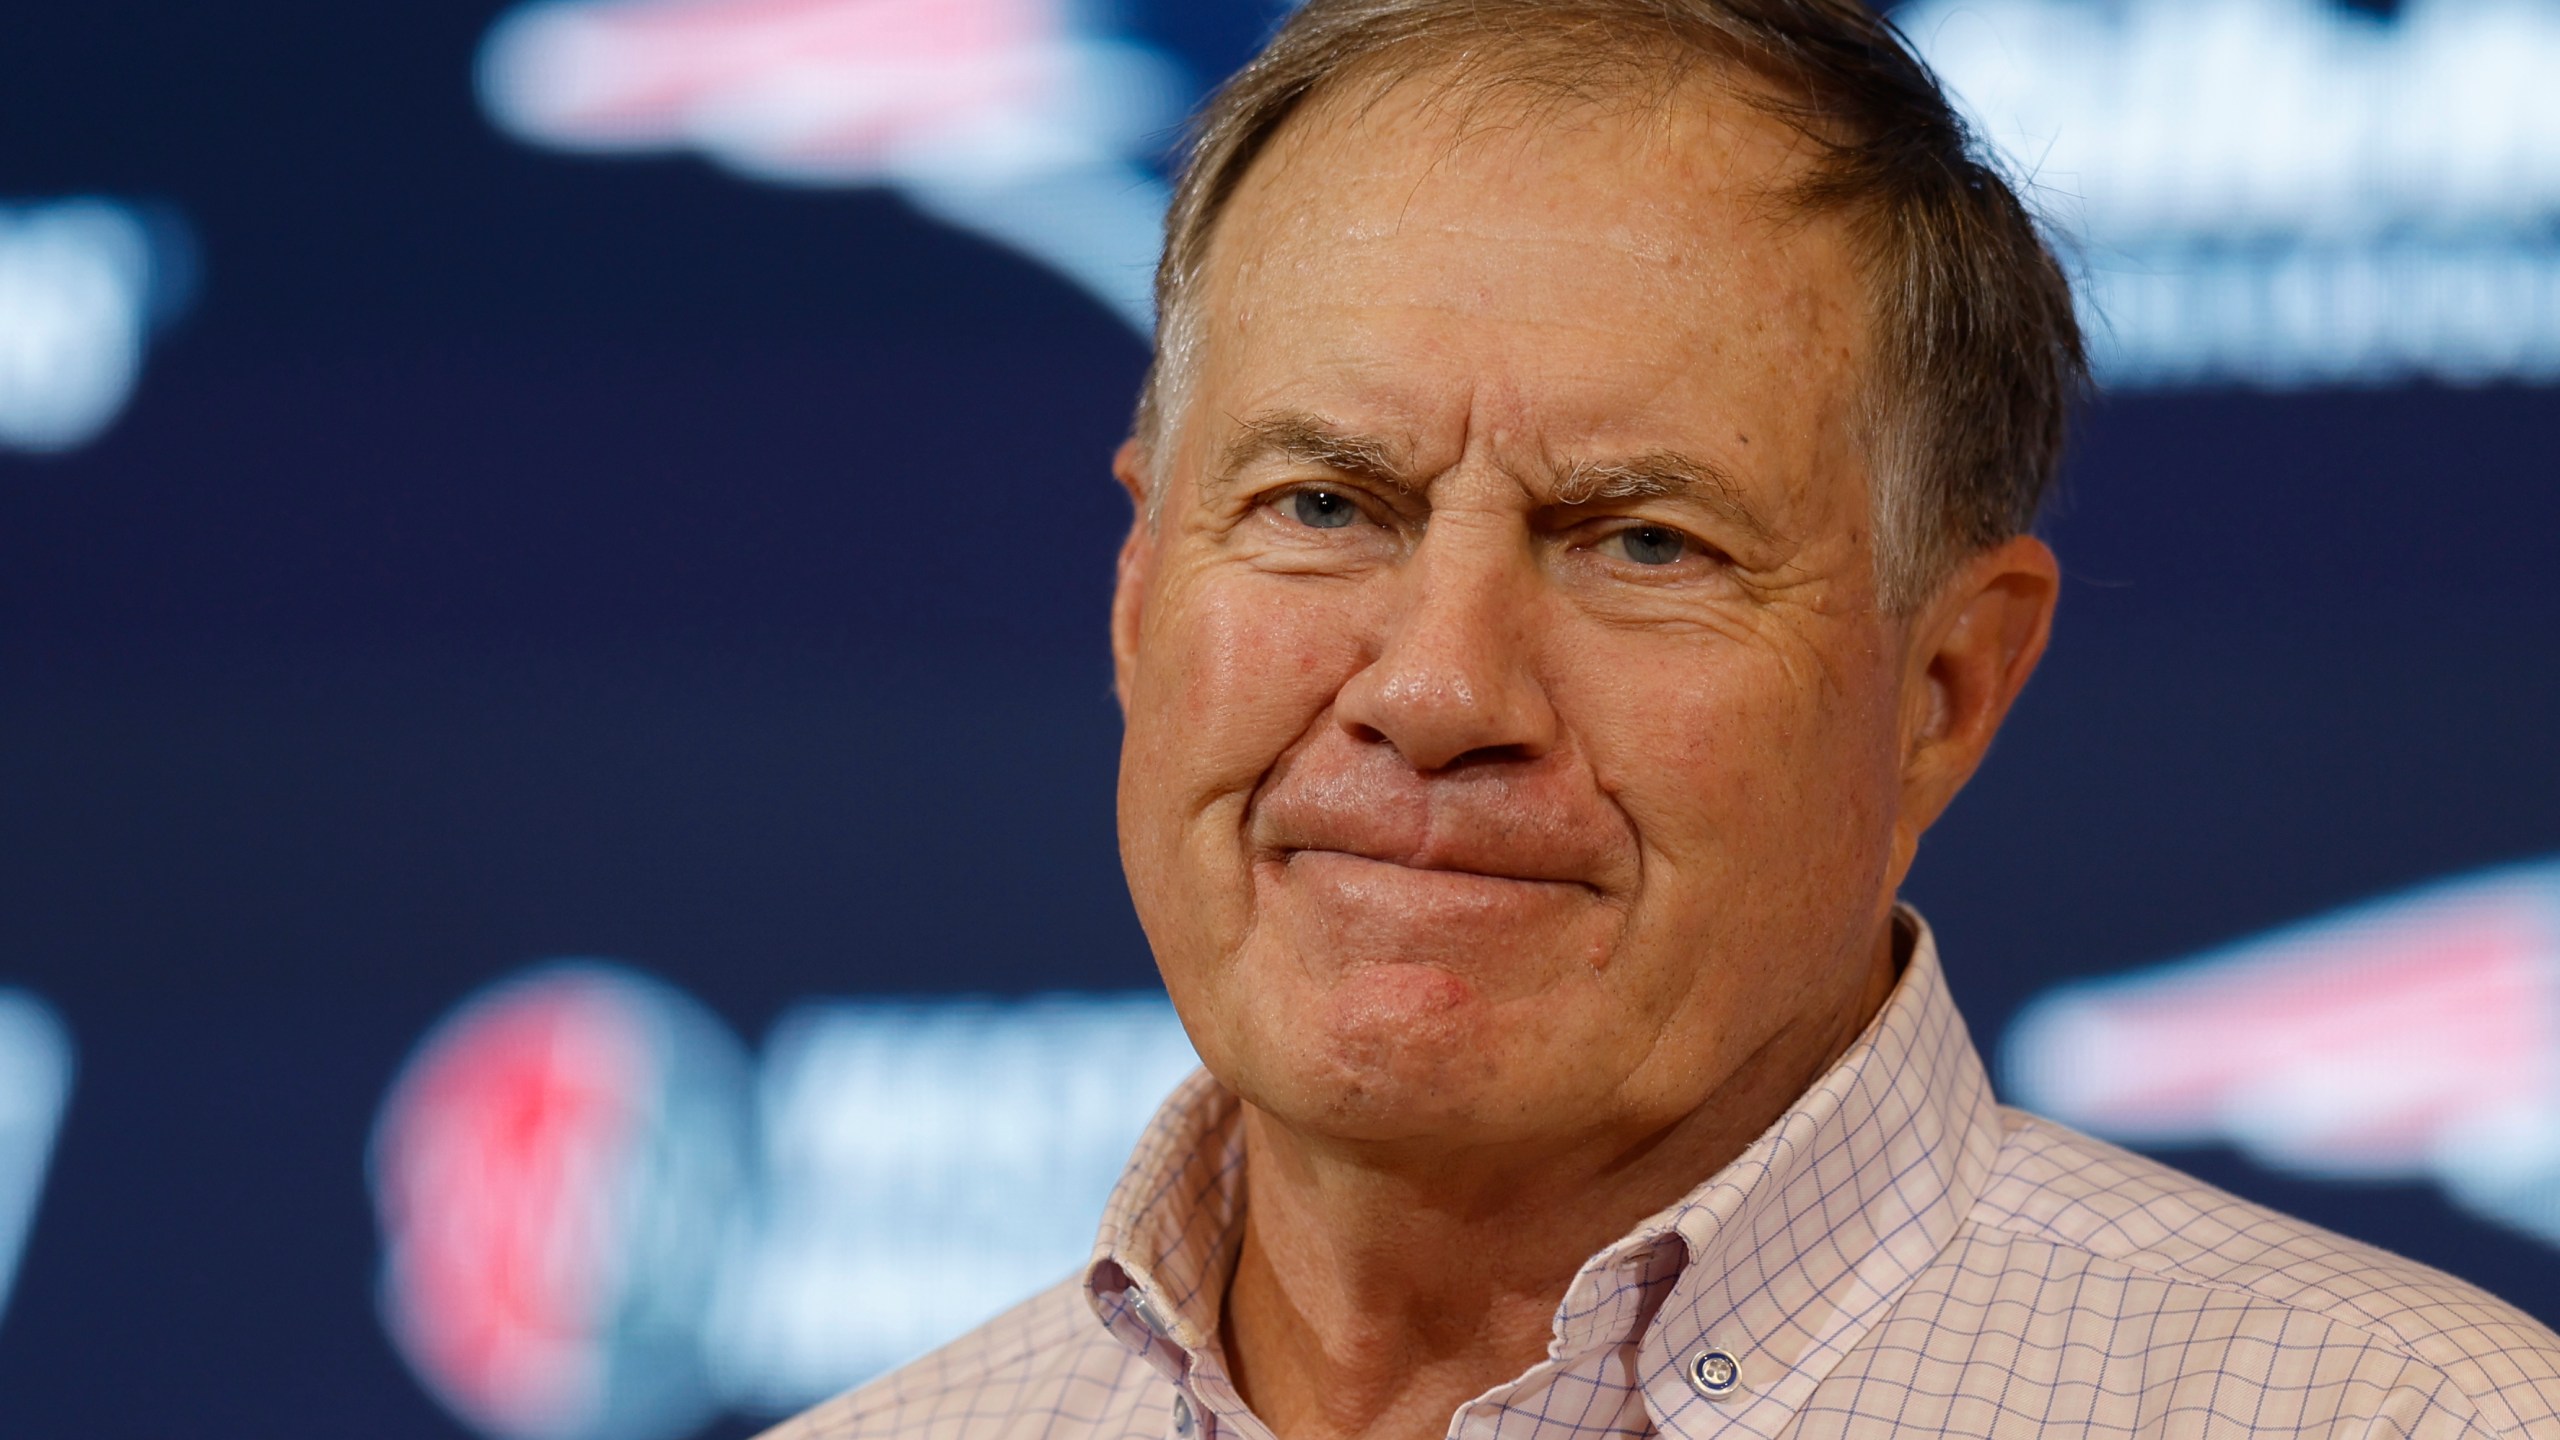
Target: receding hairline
{"x": 1481, "y": 96}
{"x": 1542, "y": 78}
{"x": 1534, "y": 75}
{"x": 1632, "y": 75}
{"x": 1610, "y": 69}
{"x": 1975, "y": 357}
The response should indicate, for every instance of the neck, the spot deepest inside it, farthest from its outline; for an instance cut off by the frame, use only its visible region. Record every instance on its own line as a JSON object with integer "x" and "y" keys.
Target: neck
{"x": 1379, "y": 1289}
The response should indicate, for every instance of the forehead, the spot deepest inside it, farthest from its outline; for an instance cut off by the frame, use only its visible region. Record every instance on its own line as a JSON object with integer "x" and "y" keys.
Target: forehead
{"x": 1577, "y": 272}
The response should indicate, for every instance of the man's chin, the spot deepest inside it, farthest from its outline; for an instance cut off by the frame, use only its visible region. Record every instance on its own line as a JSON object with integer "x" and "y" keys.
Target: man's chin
{"x": 1373, "y": 1002}
{"x": 1387, "y": 1052}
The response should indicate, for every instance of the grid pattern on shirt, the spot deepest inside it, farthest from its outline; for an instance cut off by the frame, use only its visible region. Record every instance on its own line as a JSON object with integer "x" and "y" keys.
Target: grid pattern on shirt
{"x": 1175, "y": 1220}
{"x": 1897, "y": 1257}
{"x": 1817, "y": 1228}
{"x": 2092, "y": 1292}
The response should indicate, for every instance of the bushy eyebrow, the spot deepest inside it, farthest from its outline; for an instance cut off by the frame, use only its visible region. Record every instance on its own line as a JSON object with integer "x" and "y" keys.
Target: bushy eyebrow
{"x": 1311, "y": 440}
{"x": 1660, "y": 475}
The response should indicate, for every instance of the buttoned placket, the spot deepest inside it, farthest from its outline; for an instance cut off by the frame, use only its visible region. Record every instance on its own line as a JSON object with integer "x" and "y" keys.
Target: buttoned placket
{"x": 1802, "y": 1243}
{"x": 1187, "y": 1418}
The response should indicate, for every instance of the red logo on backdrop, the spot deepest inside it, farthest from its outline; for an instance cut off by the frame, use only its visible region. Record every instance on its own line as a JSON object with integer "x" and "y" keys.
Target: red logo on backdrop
{"x": 552, "y": 1172}
{"x": 1018, "y": 120}
{"x": 842, "y": 85}
{"x": 581, "y": 1245}
{"x": 2412, "y": 1037}
{"x": 589, "y": 1236}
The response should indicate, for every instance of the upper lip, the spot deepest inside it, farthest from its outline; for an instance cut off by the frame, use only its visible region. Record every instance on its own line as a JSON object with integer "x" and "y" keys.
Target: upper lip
{"x": 1507, "y": 828}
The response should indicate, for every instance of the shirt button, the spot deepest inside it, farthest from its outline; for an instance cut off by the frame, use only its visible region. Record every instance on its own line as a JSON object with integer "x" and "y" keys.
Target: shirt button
{"x": 1714, "y": 1373}
{"x": 1184, "y": 1422}
{"x": 1146, "y": 1313}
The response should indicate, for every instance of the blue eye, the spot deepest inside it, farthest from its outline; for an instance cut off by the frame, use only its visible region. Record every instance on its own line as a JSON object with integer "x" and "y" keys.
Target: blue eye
{"x": 1323, "y": 509}
{"x": 1653, "y": 544}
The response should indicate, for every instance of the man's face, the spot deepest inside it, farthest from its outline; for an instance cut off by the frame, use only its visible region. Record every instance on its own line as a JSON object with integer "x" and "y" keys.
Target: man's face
{"x": 1514, "y": 736}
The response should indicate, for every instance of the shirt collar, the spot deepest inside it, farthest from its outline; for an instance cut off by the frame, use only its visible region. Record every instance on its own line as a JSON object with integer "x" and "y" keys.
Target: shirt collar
{"x": 1782, "y": 1259}
{"x": 1799, "y": 1246}
{"x": 1172, "y": 1227}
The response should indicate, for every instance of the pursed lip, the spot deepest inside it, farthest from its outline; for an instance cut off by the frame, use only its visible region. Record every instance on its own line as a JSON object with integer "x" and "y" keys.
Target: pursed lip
{"x": 1434, "y": 865}
{"x": 1524, "y": 824}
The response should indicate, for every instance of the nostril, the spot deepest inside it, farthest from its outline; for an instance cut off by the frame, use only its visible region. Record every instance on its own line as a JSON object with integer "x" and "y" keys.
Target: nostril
{"x": 1485, "y": 755}
{"x": 1365, "y": 734}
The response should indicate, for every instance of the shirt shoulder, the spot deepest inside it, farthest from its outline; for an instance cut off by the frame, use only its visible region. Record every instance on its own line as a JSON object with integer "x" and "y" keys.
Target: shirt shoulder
{"x": 1044, "y": 1370}
{"x": 2276, "y": 1282}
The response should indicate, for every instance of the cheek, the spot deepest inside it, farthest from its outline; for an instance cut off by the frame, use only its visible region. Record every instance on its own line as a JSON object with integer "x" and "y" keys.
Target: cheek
{"x": 1748, "y": 771}
{"x": 1233, "y": 669}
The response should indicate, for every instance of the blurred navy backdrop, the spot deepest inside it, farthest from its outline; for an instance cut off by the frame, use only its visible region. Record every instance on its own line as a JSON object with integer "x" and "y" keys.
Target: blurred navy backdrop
{"x": 509, "y": 554}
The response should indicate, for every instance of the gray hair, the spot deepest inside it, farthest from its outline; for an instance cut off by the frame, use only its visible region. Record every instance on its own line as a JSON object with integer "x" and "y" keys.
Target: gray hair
{"x": 1979, "y": 356}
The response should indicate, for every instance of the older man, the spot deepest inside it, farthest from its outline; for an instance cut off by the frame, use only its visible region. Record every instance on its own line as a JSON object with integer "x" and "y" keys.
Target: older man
{"x": 1581, "y": 546}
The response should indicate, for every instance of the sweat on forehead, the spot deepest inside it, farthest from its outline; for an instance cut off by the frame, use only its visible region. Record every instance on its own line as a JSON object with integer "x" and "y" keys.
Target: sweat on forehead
{"x": 1517, "y": 92}
{"x": 1704, "y": 129}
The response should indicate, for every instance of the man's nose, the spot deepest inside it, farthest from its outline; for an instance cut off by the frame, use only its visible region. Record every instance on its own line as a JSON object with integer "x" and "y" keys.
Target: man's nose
{"x": 1455, "y": 679}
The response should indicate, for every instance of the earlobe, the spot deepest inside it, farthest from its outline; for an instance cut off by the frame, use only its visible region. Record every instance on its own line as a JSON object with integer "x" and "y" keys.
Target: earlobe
{"x": 1977, "y": 644}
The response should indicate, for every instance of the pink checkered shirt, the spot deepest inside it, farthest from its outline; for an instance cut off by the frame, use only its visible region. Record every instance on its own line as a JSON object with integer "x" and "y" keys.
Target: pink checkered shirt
{"x": 1897, "y": 1256}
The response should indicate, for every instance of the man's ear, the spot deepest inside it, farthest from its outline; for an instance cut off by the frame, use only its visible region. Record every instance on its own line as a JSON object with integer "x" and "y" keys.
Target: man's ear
{"x": 1137, "y": 561}
{"x": 1972, "y": 648}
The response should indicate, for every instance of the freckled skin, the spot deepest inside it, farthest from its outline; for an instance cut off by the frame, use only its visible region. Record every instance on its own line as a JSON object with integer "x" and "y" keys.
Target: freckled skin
{"x": 1514, "y": 883}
